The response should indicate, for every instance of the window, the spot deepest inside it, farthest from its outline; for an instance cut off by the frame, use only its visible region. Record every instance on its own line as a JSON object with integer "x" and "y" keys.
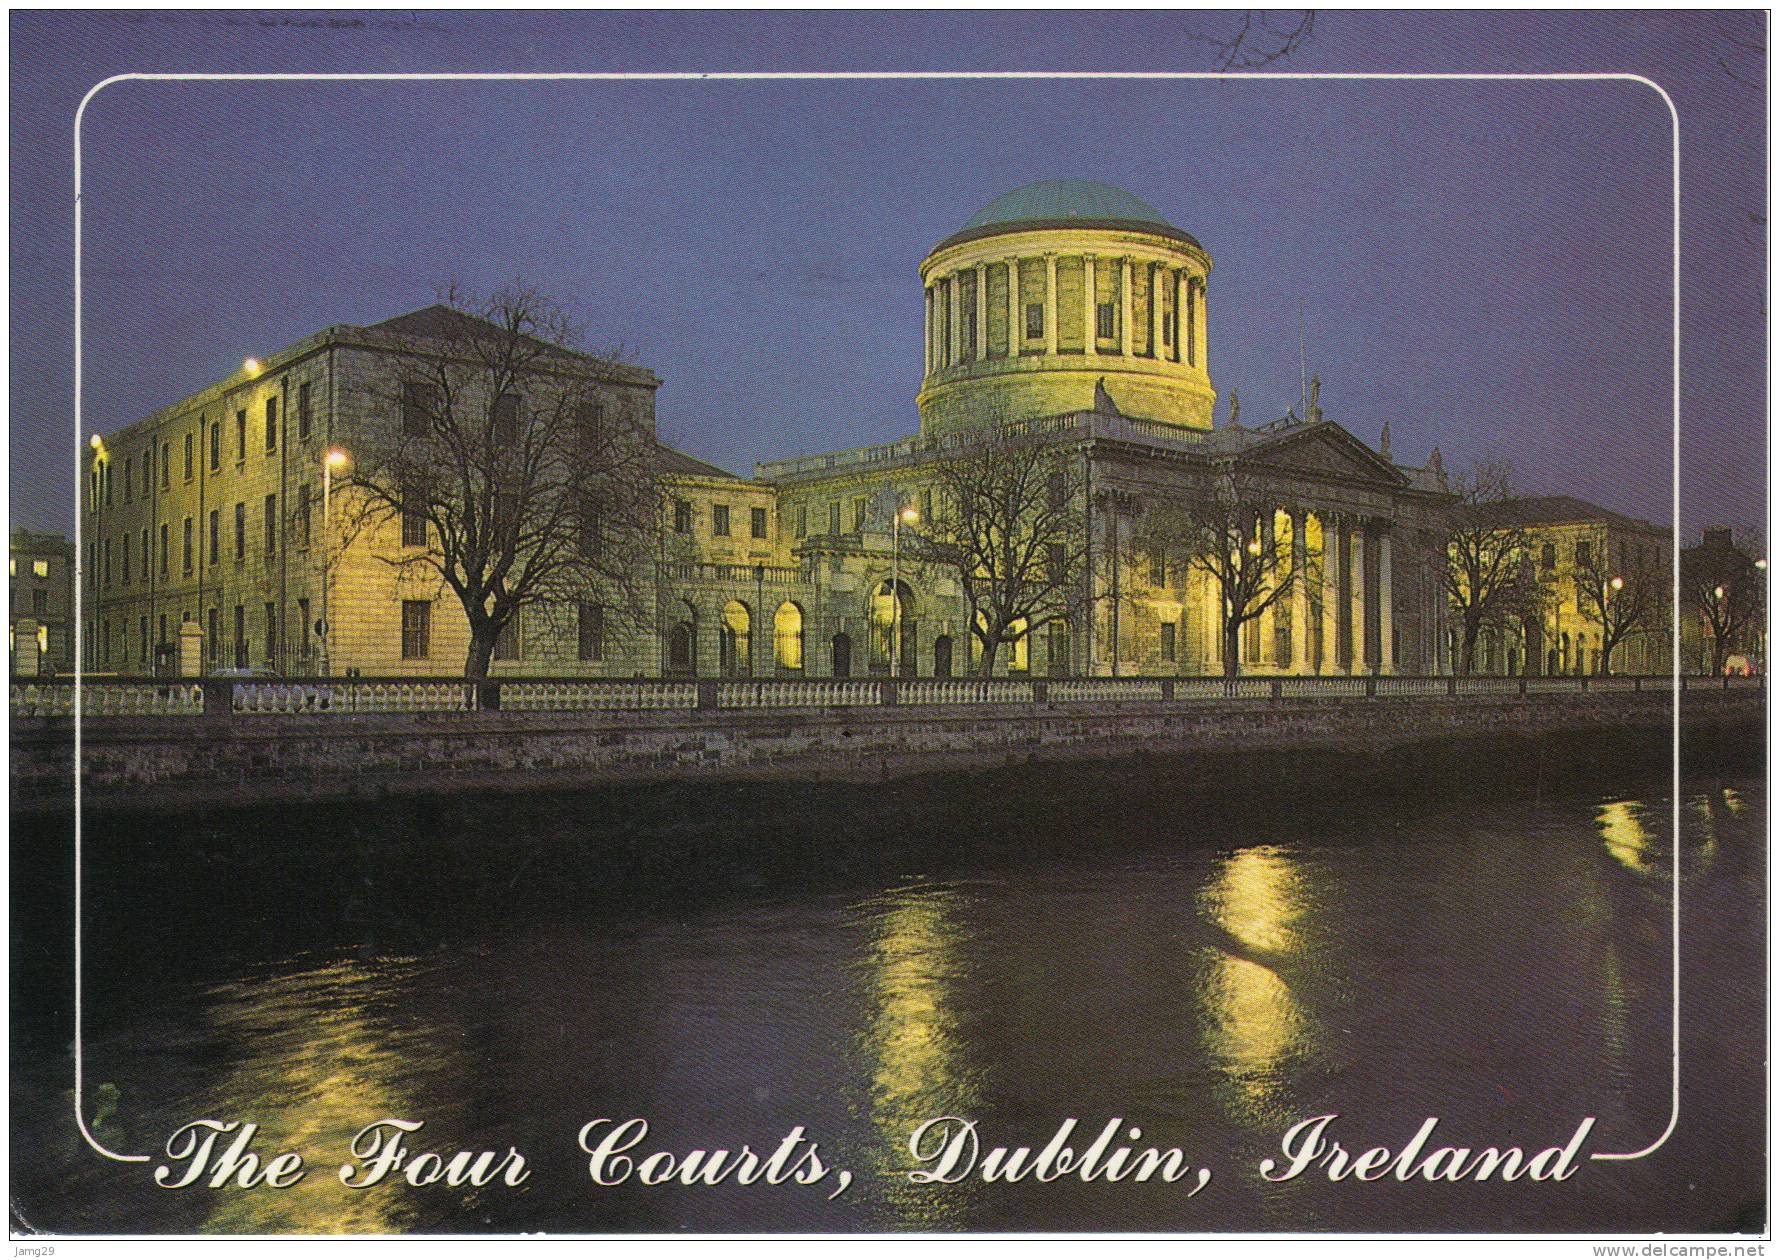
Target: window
{"x": 148, "y": 471}
{"x": 419, "y": 402}
{"x": 271, "y": 633}
{"x": 506, "y": 639}
{"x": 271, "y": 424}
{"x": 142, "y": 639}
{"x": 590, "y": 632}
{"x": 1548, "y": 556}
{"x": 240, "y": 635}
{"x": 216, "y": 446}
{"x": 303, "y": 412}
{"x": 188, "y": 457}
{"x": 720, "y": 520}
{"x": 107, "y": 468}
{"x": 506, "y": 419}
{"x": 927, "y": 504}
{"x": 271, "y": 524}
{"x": 1159, "y": 571}
{"x": 240, "y": 436}
{"x": 1584, "y": 555}
{"x": 185, "y": 547}
{"x": 145, "y": 553}
{"x": 1168, "y": 629}
{"x": 1035, "y": 319}
{"x": 757, "y": 522}
{"x": 304, "y": 630}
{"x": 590, "y": 424}
{"x": 166, "y": 465}
{"x": 302, "y": 516}
{"x": 40, "y": 598}
{"x": 858, "y": 515}
{"x": 129, "y": 482}
{"x": 213, "y": 640}
{"x": 123, "y": 550}
{"x": 40, "y": 568}
{"x": 1168, "y": 328}
{"x": 215, "y": 530}
{"x": 682, "y": 516}
{"x": 803, "y": 520}
{"x": 834, "y": 517}
{"x": 1055, "y": 563}
{"x": 417, "y": 627}
{"x": 240, "y": 531}
{"x": 163, "y": 551}
{"x": 1103, "y": 322}
{"x": 413, "y": 512}
{"x": 592, "y": 525}
{"x": 105, "y": 568}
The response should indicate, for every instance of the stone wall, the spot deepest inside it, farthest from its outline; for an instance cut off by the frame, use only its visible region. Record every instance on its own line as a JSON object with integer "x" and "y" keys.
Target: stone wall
{"x": 185, "y": 762}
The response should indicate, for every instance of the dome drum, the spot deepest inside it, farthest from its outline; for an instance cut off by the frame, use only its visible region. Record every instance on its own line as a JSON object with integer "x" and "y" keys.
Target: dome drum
{"x": 1023, "y": 316}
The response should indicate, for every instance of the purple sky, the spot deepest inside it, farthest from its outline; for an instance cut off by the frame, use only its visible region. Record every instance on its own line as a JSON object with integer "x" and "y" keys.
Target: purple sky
{"x": 1485, "y": 266}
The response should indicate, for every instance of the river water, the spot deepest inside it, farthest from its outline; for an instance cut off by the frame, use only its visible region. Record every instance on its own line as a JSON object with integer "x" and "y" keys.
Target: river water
{"x": 1016, "y": 955}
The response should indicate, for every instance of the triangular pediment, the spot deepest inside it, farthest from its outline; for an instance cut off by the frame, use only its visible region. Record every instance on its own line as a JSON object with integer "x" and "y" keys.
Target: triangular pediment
{"x": 1325, "y": 449}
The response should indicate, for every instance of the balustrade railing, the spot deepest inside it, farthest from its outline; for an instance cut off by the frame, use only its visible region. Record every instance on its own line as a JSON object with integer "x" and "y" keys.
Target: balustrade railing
{"x": 221, "y": 699}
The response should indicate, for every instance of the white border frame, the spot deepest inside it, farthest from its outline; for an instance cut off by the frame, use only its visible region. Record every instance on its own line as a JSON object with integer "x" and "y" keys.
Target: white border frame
{"x": 1668, "y": 102}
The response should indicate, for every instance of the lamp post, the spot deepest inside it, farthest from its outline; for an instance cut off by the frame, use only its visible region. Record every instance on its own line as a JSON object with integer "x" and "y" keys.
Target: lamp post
{"x": 334, "y": 458}
{"x": 758, "y": 625}
{"x": 906, "y": 514}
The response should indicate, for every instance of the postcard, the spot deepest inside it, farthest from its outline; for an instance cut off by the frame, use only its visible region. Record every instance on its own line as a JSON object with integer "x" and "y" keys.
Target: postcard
{"x": 882, "y": 624}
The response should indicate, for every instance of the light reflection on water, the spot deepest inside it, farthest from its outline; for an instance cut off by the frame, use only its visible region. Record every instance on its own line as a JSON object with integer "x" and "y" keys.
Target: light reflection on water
{"x": 1506, "y": 970}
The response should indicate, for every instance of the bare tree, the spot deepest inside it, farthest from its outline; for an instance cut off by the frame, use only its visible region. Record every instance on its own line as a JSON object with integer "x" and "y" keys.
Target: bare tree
{"x": 519, "y": 474}
{"x": 1622, "y": 599}
{"x": 1226, "y": 532}
{"x": 1259, "y": 38}
{"x": 1722, "y": 585}
{"x": 1487, "y": 574}
{"x": 1009, "y": 523}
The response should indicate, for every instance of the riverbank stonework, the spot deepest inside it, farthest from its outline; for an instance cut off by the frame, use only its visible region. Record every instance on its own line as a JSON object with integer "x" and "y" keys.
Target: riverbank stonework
{"x": 160, "y": 763}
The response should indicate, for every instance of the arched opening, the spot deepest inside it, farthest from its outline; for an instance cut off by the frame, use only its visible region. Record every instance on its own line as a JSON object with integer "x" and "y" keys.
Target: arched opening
{"x": 1564, "y": 651}
{"x": 942, "y": 656}
{"x": 788, "y": 637}
{"x": 893, "y": 615}
{"x": 841, "y": 655}
{"x": 681, "y": 659}
{"x": 735, "y": 641}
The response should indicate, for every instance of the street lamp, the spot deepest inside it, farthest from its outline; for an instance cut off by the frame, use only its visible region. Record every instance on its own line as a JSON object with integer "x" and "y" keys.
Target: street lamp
{"x": 1618, "y": 583}
{"x": 334, "y": 458}
{"x": 251, "y": 366}
{"x": 906, "y": 515}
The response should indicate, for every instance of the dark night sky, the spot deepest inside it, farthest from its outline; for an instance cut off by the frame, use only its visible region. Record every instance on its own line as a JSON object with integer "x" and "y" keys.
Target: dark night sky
{"x": 1485, "y": 266}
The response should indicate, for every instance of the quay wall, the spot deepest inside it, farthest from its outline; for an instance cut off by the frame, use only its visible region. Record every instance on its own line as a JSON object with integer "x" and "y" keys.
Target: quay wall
{"x": 153, "y": 763}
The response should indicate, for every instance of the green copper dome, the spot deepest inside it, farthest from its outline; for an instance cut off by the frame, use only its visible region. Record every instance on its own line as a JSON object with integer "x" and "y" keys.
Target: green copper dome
{"x": 1052, "y": 200}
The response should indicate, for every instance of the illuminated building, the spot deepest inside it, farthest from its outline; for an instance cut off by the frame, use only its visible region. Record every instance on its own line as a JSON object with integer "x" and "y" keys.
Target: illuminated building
{"x": 1068, "y": 310}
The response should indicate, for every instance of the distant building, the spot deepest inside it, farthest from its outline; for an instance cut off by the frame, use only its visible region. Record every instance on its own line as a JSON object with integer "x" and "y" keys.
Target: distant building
{"x": 1716, "y": 569}
{"x": 1584, "y": 557}
{"x": 41, "y": 595}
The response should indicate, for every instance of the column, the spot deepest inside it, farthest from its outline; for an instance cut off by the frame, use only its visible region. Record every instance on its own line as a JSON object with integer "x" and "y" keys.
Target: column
{"x": 981, "y": 349}
{"x": 955, "y": 301}
{"x": 1090, "y": 308}
{"x": 1125, "y": 307}
{"x": 1386, "y": 610}
{"x": 1300, "y": 662}
{"x": 1214, "y": 623}
{"x": 1016, "y": 318}
{"x": 1331, "y": 563}
{"x": 1356, "y": 564}
{"x": 1050, "y": 304}
{"x": 1203, "y": 318}
{"x": 1155, "y": 310}
{"x": 927, "y": 344}
{"x": 1180, "y": 318}
{"x": 1268, "y": 626}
